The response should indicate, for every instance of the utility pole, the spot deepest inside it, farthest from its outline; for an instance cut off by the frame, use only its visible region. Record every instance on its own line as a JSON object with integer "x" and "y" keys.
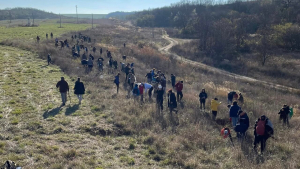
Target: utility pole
{"x": 92, "y": 21}
{"x": 76, "y": 14}
{"x": 60, "y": 19}
{"x": 32, "y": 19}
{"x": 9, "y": 16}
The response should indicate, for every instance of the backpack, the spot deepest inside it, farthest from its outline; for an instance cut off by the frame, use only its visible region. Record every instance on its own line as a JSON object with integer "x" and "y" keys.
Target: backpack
{"x": 260, "y": 128}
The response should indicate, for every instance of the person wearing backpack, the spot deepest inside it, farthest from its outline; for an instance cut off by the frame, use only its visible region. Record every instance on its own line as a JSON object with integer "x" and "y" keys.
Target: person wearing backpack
{"x": 79, "y": 89}
{"x": 233, "y": 113}
{"x": 284, "y": 114}
{"x": 230, "y": 97}
{"x": 202, "y": 98}
{"x": 214, "y": 108}
{"x": 263, "y": 130}
{"x": 243, "y": 124}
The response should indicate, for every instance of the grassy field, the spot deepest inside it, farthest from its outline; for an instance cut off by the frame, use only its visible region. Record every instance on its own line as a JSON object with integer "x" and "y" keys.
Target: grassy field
{"x": 47, "y": 26}
{"x": 112, "y": 131}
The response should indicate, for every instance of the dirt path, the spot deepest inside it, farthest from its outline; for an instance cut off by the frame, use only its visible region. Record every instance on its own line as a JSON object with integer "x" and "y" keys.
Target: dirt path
{"x": 173, "y": 42}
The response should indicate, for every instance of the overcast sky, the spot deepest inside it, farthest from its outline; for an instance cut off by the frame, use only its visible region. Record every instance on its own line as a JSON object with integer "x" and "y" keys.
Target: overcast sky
{"x": 86, "y": 6}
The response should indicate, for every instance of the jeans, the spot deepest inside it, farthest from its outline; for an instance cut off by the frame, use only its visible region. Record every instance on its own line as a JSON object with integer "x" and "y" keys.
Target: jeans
{"x": 79, "y": 97}
{"x": 234, "y": 121}
{"x": 64, "y": 97}
{"x": 149, "y": 80}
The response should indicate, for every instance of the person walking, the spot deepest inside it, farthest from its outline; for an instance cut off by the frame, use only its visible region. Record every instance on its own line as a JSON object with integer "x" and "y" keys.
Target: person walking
{"x": 117, "y": 81}
{"x": 49, "y": 58}
{"x": 263, "y": 130}
{"x": 243, "y": 124}
{"x": 233, "y": 113}
{"x": 179, "y": 87}
{"x": 79, "y": 89}
{"x": 90, "y": 64}
{"x": 230, "y": 96}
{"x": 284, "y": 114}
{"x": 127, "y": 71}
{"x": 172, "y": 103}
{"x": 202, "y": 98}
{"x": 160, "y": 98}
{"x": 63, "y": 89}
{"x": 149, "y": 77}
{"x": 173, "y": 80}
{"x": 131, "y": 80}
{"x": 214, "y": 108}
{"x": 47, "y": 36}
{"x": 241, "y": 99}
{"x": 51, "y": 35}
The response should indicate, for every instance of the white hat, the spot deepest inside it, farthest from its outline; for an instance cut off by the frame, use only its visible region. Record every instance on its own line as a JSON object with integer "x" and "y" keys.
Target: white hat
{"x": 159, "y": 86}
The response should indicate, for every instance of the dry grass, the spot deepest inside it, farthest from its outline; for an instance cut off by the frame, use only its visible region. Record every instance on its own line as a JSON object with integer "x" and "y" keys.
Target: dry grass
{"x": 136, "y": 136}
{"x": 280, "y": 67}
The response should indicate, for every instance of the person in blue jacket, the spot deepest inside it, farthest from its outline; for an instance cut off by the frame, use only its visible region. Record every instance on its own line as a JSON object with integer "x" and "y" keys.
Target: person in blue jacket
{"x": 233, "y": 113}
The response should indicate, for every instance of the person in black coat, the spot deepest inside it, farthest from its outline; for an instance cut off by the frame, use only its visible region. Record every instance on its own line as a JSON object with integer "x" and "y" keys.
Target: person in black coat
{"x": 172, "y": 103}
{"x": 79, "y": 89}
{"x": 243, "y": 124}
{"x": 202, "y": 98}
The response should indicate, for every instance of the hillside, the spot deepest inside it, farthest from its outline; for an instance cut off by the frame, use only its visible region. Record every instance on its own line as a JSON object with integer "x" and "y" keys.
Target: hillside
{"x": 25, "y": 13}
{"x": 113, "y": 131}
{"x": 259, "y": 39}
{"x": 119, "y": 15}
{"x": 86, "y": 16}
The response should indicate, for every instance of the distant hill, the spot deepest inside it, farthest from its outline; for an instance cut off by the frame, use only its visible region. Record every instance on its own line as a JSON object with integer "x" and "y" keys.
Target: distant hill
{"x": 119, "y": 15}
{"x": 86, "y": 16}
{"x": 25, "y": 13}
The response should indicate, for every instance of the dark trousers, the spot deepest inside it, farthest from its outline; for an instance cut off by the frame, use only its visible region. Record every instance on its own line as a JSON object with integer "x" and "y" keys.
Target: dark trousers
{"x": 126, "y": 76}
{"x": 150, "y": 92}
{"x": 262, "y": 140}
{"x": 179, "y": 94}
{"x": 214, "y": 114}
{"x": 202, "y": 102}
{"x": 160, "y": 103}
{"x": 117, "y": 84}
{"x": 173, "y": 84}
{"x": 285, "y": 120}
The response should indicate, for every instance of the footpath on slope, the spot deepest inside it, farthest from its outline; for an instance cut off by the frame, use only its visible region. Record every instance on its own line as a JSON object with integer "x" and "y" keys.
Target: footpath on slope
{"x": 173, "y": 42}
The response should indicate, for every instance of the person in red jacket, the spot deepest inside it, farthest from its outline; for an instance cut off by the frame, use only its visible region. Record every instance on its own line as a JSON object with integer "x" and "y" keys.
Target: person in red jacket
{"x": 179, "y": 87}
{"x": 141, "y": 89}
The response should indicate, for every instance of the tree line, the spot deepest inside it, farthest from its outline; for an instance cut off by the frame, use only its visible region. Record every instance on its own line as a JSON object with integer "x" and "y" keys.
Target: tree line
{"x": 223, "y": 29}
{"x": 25, "y": 13}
